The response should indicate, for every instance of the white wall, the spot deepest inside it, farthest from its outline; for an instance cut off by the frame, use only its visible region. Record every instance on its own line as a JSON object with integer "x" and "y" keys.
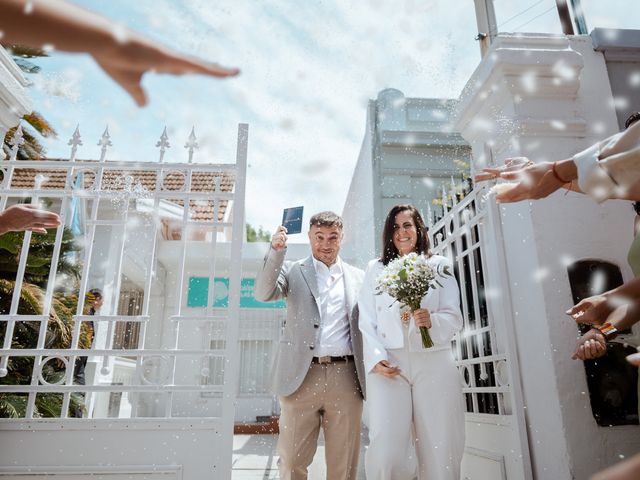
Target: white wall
{"x": 358, "y": 213}
{"x": 115, "y": 448}
{"x": 195, "y": 334}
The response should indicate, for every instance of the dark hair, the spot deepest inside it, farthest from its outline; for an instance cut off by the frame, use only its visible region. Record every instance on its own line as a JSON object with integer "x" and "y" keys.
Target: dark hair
{"x": 633, "y": 118}
{"x": 389, "y": 250}
{"x": 96, "y": 293}
{"x": 326, "y": 219}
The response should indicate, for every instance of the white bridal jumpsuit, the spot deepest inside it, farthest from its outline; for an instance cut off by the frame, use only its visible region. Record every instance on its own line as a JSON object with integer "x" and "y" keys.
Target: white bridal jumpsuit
{"x": 420, "y": 414}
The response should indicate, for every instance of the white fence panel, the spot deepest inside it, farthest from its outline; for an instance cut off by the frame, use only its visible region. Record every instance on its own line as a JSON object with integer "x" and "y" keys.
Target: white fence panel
{"x": 142, "y": 360}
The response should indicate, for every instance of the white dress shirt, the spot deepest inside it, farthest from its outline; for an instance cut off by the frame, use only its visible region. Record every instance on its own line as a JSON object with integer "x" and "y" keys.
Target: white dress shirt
{"x": 334, "y": 338}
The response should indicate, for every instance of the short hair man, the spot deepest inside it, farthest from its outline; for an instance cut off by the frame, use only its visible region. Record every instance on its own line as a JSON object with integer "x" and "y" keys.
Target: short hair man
{"x": 319, "y": 374}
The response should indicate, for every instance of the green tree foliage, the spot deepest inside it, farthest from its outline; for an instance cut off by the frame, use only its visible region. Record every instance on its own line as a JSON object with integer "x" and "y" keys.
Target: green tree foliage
{"x": 26, "y": 333}
{"x": 259, "y": 235}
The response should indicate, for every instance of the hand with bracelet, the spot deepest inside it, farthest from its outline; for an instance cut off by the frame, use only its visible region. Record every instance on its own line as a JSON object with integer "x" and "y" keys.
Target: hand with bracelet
{"x": 534, "y": 180}
{"x": 591, "y": 345}
{"x": 609, "y": 314}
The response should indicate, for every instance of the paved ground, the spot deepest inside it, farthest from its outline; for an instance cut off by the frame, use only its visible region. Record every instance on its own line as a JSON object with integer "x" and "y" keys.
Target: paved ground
{"x": 254, "y": 457}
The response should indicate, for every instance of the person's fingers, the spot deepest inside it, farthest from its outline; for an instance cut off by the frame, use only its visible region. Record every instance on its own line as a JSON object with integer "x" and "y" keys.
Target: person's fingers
{"x": 513, "y": 194}
{"x": 512, "y": 174}
{"x": 45, "y": 223}
{"x": 194, "y": 66}
{"x": 134, "y": 88}
{"x": 634, "y": 359}
{"x": 579, "y": 353}
{"x": 579, "y": 307}
{"x": 44, "y": 214}
{"x": 128, "y": 80}
{"x": 588, "y": 317}
{"x": 43, "y": 217}
{"x": 483, "y": 177}
{"x": 166, "y": 61}
{"x": 383, "y": 367}
{"x": 585, "y": 312}
{"x": 392, "y": 372}
{"x": 487, "y": 174}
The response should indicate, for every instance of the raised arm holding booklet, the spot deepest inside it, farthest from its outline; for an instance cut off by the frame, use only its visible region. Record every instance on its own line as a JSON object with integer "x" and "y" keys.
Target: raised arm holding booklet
{"x": 292, "y": 220}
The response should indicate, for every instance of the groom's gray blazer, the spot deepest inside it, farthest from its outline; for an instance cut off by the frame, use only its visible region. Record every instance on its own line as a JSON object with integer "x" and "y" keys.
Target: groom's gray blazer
{"x": 297, "y": 282}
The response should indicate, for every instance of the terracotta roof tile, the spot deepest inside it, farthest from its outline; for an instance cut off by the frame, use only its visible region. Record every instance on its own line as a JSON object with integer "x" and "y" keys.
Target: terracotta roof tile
{"x": 116, "y": 180}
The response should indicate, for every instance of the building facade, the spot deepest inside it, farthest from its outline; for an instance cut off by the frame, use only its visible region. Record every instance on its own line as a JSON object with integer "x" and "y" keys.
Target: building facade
{"x": 410, "y": 152}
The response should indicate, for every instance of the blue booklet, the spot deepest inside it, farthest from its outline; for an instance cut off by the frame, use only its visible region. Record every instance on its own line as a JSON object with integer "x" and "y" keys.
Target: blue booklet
{"x": 292, "y": 220}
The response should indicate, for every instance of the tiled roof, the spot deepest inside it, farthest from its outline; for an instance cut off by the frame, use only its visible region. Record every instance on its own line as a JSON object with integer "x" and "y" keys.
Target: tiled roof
{"x": 115, "y": 180}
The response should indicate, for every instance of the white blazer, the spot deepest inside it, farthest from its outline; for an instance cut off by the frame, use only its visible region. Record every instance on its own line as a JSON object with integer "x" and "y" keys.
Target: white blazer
{"x": 380, "y": 322}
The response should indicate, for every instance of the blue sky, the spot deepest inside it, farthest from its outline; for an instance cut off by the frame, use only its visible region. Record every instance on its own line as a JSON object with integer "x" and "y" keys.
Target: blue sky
{"x": 308, "y": 70}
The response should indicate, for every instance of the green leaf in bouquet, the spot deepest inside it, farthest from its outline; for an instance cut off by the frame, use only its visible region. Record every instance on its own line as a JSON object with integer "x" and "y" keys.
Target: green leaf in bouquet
{"x": 403, "y": 275}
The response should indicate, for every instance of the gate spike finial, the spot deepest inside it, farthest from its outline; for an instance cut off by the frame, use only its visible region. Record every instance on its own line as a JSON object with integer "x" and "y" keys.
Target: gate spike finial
{"x": 163, "y": 144}
{"x": 192, "y": 143}
{"x": 74, "y": 142}
{"x": 16, "y": 142}
{"x": 444, "y": 200}
{"x": 104, "y": 142}
{"x": 454, "y": 188}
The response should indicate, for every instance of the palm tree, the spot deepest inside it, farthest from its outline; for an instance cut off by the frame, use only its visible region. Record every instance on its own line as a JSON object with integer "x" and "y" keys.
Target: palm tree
{"x": 59, "y": 327}
{"x": 32, "y": 149}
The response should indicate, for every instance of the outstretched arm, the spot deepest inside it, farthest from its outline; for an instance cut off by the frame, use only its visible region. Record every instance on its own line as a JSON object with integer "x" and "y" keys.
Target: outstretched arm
{"x": 608, "y": 169}
{"x": 619, "y": 307}
{"x": 123, "y": 54}
{"x": 532, "y": 180}
{"x": 272, "y": 282}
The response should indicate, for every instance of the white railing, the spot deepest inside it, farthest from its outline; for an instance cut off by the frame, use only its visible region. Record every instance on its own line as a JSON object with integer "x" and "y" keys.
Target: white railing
{"x": 460, "y": 235}
{"x": 123, "y": 206}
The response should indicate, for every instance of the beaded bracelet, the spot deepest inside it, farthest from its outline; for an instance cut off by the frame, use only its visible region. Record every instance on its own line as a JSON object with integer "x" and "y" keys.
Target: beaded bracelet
{"x": 555, "y": 174}
{"x": 607, "y": 330}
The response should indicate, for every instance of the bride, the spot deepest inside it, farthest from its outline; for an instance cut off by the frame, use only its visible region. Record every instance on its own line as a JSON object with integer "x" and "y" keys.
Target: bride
{"x": 414, "y": 394}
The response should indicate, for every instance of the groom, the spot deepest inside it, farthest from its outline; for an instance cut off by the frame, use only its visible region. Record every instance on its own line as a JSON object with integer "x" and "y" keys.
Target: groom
{"x": 319, "y": 374}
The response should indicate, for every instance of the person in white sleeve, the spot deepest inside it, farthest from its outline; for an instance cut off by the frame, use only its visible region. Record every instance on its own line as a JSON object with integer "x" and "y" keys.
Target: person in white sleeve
{"x": 414, "y": 394}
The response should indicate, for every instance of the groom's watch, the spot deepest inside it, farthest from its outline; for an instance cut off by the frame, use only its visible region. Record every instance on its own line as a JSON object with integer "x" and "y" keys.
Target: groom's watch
{"x": 607, "y": 330}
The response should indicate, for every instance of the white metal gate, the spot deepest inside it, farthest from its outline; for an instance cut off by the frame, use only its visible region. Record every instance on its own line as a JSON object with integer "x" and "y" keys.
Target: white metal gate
{"x": 469, "y": 233}
{"x": 121, "y": 212}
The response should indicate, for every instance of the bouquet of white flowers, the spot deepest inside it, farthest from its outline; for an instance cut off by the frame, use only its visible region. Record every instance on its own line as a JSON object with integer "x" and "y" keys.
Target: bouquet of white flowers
{"x": 407, "y": 279}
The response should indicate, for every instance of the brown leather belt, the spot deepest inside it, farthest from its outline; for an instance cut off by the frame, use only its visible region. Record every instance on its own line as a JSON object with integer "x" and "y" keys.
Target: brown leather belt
{"x": 330, "y": 359}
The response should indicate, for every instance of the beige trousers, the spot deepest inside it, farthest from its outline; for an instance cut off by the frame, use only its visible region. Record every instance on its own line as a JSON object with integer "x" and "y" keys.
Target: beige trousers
{"x": 329, "y": 397}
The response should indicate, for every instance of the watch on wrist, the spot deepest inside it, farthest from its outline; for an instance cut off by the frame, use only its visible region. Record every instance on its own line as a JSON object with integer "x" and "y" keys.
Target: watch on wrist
{"x": 608, "y": 331}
